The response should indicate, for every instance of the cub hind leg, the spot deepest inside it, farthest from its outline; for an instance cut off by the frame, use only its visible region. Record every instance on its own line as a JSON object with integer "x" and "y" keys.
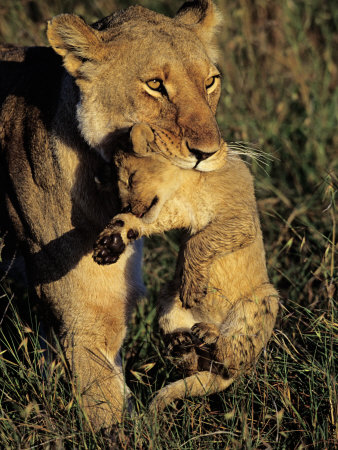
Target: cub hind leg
{"x": 223, "y": 351}
{"x": 247, "y": 328}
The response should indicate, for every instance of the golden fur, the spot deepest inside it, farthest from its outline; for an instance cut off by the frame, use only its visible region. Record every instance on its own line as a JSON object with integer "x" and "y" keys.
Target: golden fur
{"x": 219, "y": 311}
{"x": 63, "y": 110}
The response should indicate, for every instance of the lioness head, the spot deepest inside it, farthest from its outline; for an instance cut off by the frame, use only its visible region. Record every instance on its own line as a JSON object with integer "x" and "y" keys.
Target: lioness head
{"x": 137, "y": 66}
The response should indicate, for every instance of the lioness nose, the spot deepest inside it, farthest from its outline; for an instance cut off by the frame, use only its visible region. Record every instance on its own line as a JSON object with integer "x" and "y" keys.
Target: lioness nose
{"x": 201, "y": 156}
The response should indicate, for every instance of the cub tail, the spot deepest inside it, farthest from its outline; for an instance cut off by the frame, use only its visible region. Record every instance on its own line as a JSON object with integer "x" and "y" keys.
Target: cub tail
{"x": 201, "y": 383}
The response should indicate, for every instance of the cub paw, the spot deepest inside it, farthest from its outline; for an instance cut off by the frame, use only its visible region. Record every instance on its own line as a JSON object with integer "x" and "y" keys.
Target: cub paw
{"x": 181, "y": 351}
{"x": 113, "y": 240}
{"x": 210, "y": 356}
{"x": 108, "y": 248}
{"x": 207, "y": 333}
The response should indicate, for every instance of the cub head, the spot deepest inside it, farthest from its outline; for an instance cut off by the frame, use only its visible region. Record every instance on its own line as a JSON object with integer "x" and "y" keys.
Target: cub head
{"x": 146, "y": 180}
{"x": 138, "y": 66}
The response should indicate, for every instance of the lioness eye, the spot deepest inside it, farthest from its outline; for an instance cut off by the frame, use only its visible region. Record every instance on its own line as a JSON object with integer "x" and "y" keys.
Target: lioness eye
{"x": 211, "y": 81}
{"x": 154, "y": 84}
{"x": 157, "y": 85}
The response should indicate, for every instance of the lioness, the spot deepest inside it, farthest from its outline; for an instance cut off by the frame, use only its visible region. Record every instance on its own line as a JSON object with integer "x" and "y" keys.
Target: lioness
{"x": 220, "y": 309}
{"x": 63, "y": 112}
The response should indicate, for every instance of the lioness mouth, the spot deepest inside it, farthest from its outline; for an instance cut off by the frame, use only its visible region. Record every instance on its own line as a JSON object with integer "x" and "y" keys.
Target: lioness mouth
{"x": 201, "y": 156}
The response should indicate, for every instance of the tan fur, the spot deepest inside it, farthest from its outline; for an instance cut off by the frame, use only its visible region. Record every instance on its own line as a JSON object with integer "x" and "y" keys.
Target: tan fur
{"x": 62, "y": 110}
{"x": 97, "y": 58}
{"x": 220, "y": 309}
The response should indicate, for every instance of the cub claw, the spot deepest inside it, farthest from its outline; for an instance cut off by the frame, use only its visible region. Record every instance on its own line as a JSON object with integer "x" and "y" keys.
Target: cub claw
{"x": 179, "y": 342}
{"x": 117, "y": 223}
{"x": 205, "y": 332}
{"x": 132, "y": 234}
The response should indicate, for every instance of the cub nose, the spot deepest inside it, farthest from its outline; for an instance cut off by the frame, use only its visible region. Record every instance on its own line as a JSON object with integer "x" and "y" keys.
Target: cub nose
{"x": 201, "y": 156}
{"x": 126, "y": 209}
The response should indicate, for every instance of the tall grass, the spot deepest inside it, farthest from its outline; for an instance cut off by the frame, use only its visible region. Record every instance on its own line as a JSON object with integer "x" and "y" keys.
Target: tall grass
{"x": 280, "y": 95}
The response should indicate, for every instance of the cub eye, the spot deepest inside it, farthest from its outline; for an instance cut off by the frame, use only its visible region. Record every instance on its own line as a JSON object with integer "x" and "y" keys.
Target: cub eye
{"x": 211, "y": 81}
{"x": 130, "y": 179}
{"x": 157, "y": 85}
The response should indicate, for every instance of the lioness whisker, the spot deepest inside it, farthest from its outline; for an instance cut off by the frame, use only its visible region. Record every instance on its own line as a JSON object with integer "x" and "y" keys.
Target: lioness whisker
{"x": 251, "y": 150}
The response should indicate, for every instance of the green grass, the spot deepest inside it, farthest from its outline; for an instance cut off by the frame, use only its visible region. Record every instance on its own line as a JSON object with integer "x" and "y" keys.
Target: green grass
{"x": 279, "y": 92}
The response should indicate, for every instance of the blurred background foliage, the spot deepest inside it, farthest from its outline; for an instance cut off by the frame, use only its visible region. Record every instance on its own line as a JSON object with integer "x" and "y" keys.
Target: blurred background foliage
{"x": 279, "y": 75}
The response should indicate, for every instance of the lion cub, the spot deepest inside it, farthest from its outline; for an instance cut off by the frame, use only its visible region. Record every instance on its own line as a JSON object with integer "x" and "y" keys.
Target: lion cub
{"x": 219, "y": 311}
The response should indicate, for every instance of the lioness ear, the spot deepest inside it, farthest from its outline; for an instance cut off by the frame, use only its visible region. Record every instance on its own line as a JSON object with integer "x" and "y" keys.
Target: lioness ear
{"x": 74, "y": 40}
{"x": 204, "y": 18}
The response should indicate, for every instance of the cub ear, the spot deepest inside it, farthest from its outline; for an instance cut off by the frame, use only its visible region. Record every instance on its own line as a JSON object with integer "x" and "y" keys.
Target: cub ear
{"x": 141, "y": 136}
{"x": 204, "y": 19}
{"x": 74, "y": 40}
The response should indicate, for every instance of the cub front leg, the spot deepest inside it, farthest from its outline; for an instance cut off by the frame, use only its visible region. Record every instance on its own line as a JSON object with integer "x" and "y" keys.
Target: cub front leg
{"x": 112, "y": 241}
{"x": 126, "y": 227}
{"x": 220, "y": 237}
{"x": 175, "y": 323}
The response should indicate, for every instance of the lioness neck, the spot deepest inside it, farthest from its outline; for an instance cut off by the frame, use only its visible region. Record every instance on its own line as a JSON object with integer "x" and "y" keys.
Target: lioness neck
{"x": 79, "y": 164}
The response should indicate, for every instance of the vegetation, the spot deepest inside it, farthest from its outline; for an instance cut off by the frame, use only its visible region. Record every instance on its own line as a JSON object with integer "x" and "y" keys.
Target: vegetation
{"x": 279, "y": 92}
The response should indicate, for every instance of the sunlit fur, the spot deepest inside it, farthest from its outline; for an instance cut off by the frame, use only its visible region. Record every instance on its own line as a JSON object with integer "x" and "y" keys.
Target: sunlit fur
{"x": 113, "y": 76}
{"x": 220, "y": 309}
{"x": 64, "y": 108}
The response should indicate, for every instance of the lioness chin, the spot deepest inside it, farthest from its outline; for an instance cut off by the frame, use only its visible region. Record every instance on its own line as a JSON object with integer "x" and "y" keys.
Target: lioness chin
{"x": 219, "y": 311}
{"x": 64, "y": 111}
